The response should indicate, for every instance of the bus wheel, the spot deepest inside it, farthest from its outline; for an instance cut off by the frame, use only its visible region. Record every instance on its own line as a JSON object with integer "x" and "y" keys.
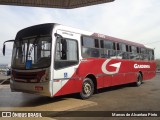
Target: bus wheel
{"x": 87, "y": 88}
{"x": 139, "y": 80}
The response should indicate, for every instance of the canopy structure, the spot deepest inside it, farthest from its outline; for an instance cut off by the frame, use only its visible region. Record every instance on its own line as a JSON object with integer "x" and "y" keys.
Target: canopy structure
{"x": 65, "y": 4}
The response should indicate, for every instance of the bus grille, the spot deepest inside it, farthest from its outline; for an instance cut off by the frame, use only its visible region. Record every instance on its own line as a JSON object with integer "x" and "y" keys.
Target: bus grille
{"x": 28, "y": 76}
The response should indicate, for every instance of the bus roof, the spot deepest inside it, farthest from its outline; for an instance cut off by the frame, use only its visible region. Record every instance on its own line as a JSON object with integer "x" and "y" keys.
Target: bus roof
{"x": 106, "y": 37}
{"x": 79, "y": 31}
{"x": 101, "y": 36}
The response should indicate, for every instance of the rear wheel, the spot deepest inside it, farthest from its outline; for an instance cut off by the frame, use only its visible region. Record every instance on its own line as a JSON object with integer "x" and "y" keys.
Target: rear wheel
{"x": 87, "y": 88}
{"x": 139, "y": 80}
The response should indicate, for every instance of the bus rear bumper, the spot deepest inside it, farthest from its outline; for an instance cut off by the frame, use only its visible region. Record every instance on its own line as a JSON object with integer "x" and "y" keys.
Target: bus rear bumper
{"x": 33, "y": 88}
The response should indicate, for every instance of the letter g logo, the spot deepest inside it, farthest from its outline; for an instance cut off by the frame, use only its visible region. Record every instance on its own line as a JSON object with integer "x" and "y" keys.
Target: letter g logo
{"x": 104, "y": 70}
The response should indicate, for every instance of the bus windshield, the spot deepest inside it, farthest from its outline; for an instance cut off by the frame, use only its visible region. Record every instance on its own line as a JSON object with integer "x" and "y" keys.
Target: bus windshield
{"x": 32, "y": 52}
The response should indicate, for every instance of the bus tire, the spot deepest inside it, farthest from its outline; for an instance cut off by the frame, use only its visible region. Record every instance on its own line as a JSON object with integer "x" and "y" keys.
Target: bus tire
{"x": 87, "y": 88}
{"x": 139, "y": 80}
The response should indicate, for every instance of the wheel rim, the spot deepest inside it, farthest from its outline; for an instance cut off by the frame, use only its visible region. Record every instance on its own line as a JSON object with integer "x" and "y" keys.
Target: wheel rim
{"x": 87, "y": 89}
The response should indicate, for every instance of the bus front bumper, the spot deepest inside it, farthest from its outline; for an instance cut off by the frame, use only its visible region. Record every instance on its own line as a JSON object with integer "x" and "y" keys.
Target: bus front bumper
{"x": 43, "y": 88}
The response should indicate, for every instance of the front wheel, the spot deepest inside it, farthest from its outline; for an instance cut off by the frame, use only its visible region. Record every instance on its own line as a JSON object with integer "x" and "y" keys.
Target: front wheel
{"x": 87, "y": 88}
{"x": 139, "y": 80}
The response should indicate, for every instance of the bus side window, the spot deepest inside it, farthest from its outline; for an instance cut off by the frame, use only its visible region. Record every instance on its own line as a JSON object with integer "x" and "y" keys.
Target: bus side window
{"x": 127, "y": 48}
{"x": 96, "y": 43}
{"x": 109, "y": 49}
{"x": 118, "y": 50}
{"x": 130, "y": 49}
{"x": 132, "y": 52}
{"x": 102, "y": 43}
{"x": 121, "y": 51}
{"x": 134, "y": 55}
{"x": 58, "y": 52}
{"x": 102, "y": 49}
{"x": 138, "y": 50}
{"x": 151, "y": 55}
{"x": 127, "y": 52}
{"x": 64, "y": 49}
{"x": 61, "y": 47}
{"x": 144, "y": 55}
{"x": 66, "y": 53}
{"x": 90, "y": 47}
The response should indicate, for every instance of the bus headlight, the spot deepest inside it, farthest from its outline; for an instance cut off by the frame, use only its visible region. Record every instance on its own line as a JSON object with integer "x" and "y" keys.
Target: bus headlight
{"x": 44, "y": 78}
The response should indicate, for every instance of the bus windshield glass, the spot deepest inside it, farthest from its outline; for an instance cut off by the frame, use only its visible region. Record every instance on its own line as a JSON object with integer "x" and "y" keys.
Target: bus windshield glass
{"x": 32, "y": 52}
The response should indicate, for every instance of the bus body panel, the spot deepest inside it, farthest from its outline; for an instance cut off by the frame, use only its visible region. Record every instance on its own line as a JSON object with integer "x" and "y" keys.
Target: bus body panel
{"x": 106, "y": 71}
{"x": 66, "y": 78}
{"x": 93, "y": 66}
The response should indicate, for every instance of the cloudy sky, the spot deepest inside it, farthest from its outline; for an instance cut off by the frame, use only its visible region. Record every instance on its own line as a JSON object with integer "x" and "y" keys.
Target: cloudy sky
{"x": 134, "y": 20}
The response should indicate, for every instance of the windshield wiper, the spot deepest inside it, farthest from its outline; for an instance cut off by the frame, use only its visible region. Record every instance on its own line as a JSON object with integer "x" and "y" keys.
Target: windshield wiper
{"x": 34, "y": 44}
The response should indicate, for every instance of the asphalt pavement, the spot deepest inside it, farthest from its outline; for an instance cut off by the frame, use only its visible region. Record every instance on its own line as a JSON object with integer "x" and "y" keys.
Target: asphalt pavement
{"x": 112, "y": 99}
{"x": 145, "y": 98}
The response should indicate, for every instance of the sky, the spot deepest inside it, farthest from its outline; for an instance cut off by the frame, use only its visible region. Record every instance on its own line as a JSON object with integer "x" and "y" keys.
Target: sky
{"x": 133, "y": 20}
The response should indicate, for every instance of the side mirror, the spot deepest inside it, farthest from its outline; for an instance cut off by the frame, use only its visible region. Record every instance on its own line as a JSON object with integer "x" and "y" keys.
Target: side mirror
{"x": 4, "y": 49}
{"x": 4, "y": 46}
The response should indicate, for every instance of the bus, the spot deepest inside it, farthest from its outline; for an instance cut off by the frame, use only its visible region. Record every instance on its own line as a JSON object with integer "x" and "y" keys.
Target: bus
{"x": 52, "y": 60}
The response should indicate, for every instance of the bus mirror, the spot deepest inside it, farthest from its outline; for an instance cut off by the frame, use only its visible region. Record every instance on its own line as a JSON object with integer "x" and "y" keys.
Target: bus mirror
{"x": 4, "y": 46}
{"x": 4, "y": 49}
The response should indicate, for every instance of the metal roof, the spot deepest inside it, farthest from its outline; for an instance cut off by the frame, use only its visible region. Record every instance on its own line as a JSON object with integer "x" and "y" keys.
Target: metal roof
{"x": 67, "y": 4}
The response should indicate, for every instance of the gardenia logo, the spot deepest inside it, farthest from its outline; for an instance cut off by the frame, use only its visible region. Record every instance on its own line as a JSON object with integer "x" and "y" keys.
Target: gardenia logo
{"x": 141, "y": 66}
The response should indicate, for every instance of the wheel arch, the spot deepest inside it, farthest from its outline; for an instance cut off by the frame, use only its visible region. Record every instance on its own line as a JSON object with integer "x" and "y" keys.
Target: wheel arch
{"x": 140, "y": 72}
{"x": 93, "y": 78}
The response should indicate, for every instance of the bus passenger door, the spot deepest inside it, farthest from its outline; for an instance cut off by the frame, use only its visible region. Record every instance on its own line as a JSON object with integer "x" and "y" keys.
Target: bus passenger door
{"x": 65, "y": 65}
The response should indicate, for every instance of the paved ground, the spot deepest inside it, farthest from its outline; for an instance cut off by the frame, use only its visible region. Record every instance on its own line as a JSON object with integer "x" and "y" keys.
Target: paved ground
{"x": 3, "y": 77}
{"x": 23, "y": 103}
{"x": 17, "y": 101}
{"x": 121, "y": 98}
